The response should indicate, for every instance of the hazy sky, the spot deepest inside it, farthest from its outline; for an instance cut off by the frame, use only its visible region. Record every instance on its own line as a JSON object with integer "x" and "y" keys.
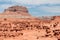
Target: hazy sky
{"x": 35, "y": 7}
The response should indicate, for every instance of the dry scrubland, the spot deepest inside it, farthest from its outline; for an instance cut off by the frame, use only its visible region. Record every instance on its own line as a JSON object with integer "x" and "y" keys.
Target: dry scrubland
{"x": 12, "y": 28}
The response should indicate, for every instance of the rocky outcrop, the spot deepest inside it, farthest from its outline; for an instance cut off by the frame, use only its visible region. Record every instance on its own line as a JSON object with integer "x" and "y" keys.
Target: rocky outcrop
{"x": 30, "y": 28}
{"x": 17, "y": 10}
{"x": 33, "y": 28}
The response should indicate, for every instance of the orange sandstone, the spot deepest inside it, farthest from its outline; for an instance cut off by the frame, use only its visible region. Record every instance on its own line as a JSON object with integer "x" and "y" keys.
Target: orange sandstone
{"x": 17, "y": 24}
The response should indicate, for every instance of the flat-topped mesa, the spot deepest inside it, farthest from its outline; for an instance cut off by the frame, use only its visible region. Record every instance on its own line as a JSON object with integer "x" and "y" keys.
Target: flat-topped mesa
{"x": 17, "y": 10}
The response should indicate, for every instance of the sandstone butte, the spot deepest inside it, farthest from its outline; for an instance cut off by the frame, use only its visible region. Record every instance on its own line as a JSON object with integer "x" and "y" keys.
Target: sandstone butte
{"x": 17, "y": 24}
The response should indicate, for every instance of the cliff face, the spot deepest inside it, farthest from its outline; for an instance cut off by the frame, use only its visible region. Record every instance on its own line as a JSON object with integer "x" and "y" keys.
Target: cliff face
{"x": 30, "y": 28}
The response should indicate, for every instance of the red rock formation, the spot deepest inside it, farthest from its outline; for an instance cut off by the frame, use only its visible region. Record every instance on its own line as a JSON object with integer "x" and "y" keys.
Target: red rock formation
{"x": 17, "y": 10}
{"x": 15, "y": 27}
